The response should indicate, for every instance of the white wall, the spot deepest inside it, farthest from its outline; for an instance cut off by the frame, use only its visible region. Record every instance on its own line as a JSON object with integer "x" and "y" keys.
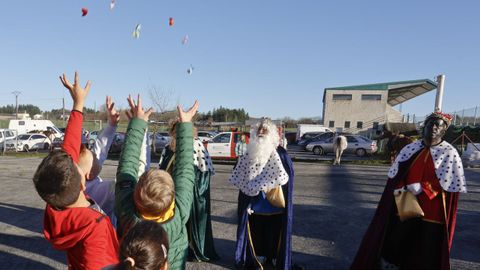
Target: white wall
{"x": 354, "y": 110}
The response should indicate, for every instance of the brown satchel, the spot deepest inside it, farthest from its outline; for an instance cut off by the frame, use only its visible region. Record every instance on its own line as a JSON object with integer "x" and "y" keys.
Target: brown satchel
{"x": 407, "y": 205}
{"x": 275, "y": 197}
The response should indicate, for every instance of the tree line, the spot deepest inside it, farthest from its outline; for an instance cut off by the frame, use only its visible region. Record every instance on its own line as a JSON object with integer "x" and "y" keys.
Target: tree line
{"x": 220, "y": 114}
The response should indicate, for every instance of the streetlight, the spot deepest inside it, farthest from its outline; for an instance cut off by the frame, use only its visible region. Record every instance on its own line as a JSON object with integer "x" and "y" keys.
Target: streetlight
{"x": 16, "y": 93}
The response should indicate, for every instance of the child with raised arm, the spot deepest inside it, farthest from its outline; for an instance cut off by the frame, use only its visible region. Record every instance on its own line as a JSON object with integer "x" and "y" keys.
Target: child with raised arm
{"x": 91, "y": 162}
{"x": 154, "y": 196}
{"x": 72, "y": 221}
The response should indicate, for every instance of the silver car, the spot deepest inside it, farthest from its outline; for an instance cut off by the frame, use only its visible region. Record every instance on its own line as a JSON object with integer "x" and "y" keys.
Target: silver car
{"x": 357, "y": 145}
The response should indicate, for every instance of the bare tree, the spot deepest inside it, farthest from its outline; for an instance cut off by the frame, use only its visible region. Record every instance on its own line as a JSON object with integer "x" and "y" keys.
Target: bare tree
{"x": 161, "y": 100}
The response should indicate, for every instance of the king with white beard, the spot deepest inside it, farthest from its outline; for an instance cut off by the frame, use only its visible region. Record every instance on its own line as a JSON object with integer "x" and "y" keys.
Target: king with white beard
{"x": 264, "y": 176}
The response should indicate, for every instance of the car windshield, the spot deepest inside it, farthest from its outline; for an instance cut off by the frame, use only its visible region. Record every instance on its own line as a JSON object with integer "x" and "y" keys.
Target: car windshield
{"x": 23, "y": 137}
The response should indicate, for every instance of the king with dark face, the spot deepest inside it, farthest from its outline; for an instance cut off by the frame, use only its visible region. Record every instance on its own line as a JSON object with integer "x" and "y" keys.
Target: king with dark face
{"x": 430, "y": 171}
{"x": 434, "y": 130}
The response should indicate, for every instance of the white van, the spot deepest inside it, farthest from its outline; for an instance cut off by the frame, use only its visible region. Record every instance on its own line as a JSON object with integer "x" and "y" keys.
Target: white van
{"x": 23, "y": 126}
{"x": 303, "y": 128}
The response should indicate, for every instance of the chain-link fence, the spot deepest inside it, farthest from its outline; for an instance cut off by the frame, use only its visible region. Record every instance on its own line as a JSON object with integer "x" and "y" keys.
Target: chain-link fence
{"x": 462, "y": 117}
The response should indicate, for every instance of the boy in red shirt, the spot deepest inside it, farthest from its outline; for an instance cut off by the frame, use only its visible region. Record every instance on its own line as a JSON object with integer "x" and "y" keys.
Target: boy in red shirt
{"x": 73, "y": 222}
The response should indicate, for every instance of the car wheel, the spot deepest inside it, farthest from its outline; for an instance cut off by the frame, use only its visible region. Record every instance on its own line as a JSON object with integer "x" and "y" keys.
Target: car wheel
{"x": 26, "y": 148}
{"x": 46, "y": 146}
{"x": 317, "y": 150}
{"x": 360, "y": 152}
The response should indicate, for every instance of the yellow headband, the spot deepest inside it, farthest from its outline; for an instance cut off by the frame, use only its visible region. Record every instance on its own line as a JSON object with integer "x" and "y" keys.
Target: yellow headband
{"x": 166, "y": 215}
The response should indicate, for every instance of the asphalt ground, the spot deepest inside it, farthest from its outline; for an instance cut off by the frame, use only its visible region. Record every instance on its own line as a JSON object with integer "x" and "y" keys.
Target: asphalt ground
{"x": 332, "y": 208}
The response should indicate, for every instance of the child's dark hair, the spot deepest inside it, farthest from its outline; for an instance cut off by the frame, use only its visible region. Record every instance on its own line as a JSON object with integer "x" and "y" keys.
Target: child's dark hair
{"x": 57, "y": 180}
{"x": 145, "y": 246}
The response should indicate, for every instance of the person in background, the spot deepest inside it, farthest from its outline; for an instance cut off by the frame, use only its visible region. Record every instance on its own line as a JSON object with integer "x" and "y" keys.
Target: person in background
{"x": 199, "y": 225}
{"x": 265, "y": 179}
{"x": 241, "y": 147}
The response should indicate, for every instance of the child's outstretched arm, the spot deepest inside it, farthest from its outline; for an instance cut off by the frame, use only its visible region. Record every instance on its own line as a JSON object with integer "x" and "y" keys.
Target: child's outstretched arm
{"x": 73, "y": 133}
{"x": 105, "y": 138}
{"x": 127, "y": 171}
{"x": 144, "y": 164}
{"x": 184, "y": 174}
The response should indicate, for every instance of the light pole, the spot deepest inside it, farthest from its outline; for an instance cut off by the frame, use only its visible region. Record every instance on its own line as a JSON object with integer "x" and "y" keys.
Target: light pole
{"x": 16, "y": 93}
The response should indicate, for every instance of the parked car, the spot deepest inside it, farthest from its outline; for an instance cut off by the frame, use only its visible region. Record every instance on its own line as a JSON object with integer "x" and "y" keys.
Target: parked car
{"x": 307, "y": 136}
{"x": 223, "y": 145}
{"x": 205, "y": 136}
{"x": 357, "y": 145}
{"x": 162, "y": 139}
{"x": 6, "y": 135}
{"x": 27, "y": 142}
{"x": 117, "y": 144}
{"x": 57, "y": 142}
{"x": 94, "y": 134}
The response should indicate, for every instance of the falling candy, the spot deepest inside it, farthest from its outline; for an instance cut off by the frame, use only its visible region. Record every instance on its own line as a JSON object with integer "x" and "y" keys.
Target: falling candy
{"x": 185, "y": 40}
{"x": 84, "y": 12}
{"x": 112, "y": 4}
{"x": 190, "y": 70}
{"x": 136, "y": 32}
{"x": 170, "y": 21}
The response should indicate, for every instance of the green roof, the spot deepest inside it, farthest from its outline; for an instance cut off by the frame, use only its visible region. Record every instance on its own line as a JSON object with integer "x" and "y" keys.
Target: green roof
{"x": 399, "y": 92}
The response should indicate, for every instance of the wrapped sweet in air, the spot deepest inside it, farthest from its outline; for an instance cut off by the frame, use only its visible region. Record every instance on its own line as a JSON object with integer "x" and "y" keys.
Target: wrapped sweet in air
{"x": 171, "y": 21}
{"x": 112, "y": 4}
{"x": 136, "y": 32}
{"x": 84, "y": 12}
{"x": 185, "y": 40}
{"x": 190, "y": 70}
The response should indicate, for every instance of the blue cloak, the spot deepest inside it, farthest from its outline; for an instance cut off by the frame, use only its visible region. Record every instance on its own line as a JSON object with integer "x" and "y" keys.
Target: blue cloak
{"x": 244, "y": 257}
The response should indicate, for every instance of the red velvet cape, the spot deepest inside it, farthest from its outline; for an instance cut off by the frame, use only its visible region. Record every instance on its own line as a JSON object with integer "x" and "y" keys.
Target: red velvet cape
{"x": 368, "y": 254}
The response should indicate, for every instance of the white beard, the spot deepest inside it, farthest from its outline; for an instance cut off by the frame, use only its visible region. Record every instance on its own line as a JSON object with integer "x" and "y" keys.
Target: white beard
{"x": 260, "y": 149}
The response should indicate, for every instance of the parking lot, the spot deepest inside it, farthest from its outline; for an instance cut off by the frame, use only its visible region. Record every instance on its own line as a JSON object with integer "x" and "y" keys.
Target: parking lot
{"x": 332, "y": 208}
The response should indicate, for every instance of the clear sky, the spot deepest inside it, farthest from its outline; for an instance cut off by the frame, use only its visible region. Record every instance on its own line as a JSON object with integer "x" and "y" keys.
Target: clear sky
{"x": 272, "y": 57}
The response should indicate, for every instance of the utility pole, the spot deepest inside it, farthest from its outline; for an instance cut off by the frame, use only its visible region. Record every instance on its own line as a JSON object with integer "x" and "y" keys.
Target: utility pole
{"x": 16, "y": 93}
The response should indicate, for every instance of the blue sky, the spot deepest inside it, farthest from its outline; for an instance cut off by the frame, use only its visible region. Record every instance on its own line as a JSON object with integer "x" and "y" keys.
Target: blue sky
{"x": 271, "y": 57}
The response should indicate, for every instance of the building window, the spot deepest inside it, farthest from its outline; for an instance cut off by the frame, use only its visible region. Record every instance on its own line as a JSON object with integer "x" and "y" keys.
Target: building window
{"x": 347, "y": 124}
{"x": 331, "y": 123}
{"x": 359, "y": 124}
{"x": 371, "y": 97}
{"x": 342, "y": 97}
{"x": 375, "y": 125}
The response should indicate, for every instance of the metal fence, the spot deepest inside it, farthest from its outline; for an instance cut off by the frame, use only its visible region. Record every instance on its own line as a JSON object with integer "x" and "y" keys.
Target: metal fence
{"x": 462, "y": 117}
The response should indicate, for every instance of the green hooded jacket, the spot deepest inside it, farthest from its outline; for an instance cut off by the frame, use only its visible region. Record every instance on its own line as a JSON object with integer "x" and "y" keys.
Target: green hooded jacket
{"x": 183, "y": 177}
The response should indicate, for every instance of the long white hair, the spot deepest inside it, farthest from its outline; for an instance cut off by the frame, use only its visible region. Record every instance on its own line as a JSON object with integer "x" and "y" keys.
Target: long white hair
{"x": 261, "y": 147}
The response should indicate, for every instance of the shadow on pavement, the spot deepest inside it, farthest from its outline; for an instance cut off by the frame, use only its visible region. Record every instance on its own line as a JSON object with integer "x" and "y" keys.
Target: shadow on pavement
{"x": 24, "y": 217}
{"x": 18, "y": 262}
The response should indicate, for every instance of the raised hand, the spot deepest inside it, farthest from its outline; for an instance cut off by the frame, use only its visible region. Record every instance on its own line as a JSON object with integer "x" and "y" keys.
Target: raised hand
{"x": 188, "y": 115}
{"x": 78, "y": 93}
{"x": 113, "y": 115}
{"x": 136, "y": 110}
